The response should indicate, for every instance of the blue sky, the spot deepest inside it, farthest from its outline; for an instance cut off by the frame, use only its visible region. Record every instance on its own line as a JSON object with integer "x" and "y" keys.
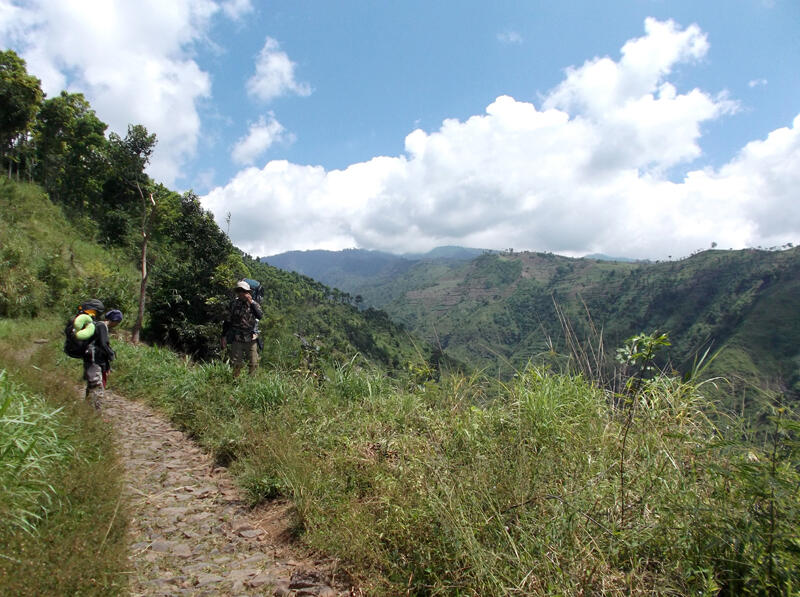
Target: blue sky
{"x": 637, "y": 127}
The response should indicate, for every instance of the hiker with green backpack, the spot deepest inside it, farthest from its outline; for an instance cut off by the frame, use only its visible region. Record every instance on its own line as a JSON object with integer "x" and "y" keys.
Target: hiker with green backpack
{"x": 87, "y": 338}
{"x": 240, "y": 328}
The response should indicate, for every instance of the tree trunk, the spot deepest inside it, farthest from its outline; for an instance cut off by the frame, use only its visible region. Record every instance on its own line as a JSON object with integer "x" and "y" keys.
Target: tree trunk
{"x": 137, "y": 326}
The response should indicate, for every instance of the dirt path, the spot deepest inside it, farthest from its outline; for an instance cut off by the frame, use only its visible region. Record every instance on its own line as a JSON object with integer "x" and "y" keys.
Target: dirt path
{"x": 191, "y": 533}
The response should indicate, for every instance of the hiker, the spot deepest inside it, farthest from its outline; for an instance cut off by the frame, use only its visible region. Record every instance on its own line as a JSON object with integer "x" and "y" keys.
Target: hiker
{"x": 87, "y": 338}
{"x": 240, "y": 329}
{"x": 112, "y": 319}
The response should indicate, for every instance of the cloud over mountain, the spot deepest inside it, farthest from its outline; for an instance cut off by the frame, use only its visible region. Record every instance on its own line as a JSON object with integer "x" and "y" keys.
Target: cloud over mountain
{"x": 133, "y": 61}
{"x": 274, "y": 74}
{"x": 261, "y": 135}
{"x": 590, "y": 171}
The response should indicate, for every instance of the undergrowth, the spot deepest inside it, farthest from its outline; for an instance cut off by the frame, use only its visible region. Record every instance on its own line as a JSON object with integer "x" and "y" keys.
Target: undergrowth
{"x": 466, "y": 486}
{"x": 544, "y": 485}
{"x": 62, "y": 520}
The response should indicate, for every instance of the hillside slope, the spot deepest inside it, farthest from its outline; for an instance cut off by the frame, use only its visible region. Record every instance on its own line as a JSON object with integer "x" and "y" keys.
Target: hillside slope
{"x": 50, "y": 264}
{"x": 500, "y": 311}
{"x": 367, "y": 271}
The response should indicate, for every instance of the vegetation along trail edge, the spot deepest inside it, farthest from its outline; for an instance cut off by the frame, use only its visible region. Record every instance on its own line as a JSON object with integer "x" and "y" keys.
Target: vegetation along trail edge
{"x": 191, "y": 533}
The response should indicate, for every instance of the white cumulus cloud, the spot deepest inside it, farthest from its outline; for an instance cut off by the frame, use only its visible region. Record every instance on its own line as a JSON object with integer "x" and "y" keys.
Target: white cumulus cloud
{"x": 237, "y": 9}
{"x": 275, "y": 74}
{"x": 586, "y": 172}
{"x": 259, "y": 138}
{"x": 131, "y": 59}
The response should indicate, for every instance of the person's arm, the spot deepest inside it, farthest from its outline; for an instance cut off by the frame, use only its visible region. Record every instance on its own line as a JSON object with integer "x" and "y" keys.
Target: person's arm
{"x": 101, "y": 333}
{"x": 255, "y": 308}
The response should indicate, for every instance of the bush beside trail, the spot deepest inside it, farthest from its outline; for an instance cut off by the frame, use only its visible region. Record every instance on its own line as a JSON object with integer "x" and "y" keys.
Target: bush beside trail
{"x": 467, "y": 486}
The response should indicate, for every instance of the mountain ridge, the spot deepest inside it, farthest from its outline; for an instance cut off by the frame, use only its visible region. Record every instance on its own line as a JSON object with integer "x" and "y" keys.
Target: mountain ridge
{"x": 500, "y": 310}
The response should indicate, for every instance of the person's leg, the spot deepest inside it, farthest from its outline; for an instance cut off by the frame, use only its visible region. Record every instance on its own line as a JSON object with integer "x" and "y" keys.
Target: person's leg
{"x": 253, "y": 357}
{"x": 237, "y": 356}
{"x": 94, "y": 384}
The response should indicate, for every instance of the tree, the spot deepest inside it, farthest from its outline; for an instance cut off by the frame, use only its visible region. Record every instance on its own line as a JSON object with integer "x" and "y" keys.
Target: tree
{"x": 129, "y": 159}
{"x": 71, "y": 151}
{"x": 20, "y": 98}
{"x": 194, "y": 280}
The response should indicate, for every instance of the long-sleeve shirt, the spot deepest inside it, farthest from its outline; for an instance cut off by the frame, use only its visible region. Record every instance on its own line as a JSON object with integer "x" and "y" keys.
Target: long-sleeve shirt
{"x": 242, "y": 322}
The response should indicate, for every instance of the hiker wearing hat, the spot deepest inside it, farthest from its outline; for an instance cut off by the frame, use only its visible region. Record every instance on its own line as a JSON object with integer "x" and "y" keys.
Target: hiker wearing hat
{"x": 240, "y": 329}
{"x": 87, "y": 338}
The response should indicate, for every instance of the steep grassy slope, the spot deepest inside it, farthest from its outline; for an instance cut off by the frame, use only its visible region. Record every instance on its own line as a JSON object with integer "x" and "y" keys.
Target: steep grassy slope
{"x": 49, "y": 264}
{"x": 499, "y": 311}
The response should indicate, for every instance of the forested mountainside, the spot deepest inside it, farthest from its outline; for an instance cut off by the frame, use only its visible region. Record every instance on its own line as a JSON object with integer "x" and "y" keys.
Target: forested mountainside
{"x": 362, "y": 269}
{"x": 79, "y": 217}
{"x": 500, "y": 311}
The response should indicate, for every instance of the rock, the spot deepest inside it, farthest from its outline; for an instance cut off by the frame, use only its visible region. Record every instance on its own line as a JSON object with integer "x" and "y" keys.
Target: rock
{"x": 173, "y": 514}
{"x": 236, "y": 575}
{"x": 243, "y": 526}
{"x": 182, "y": 550}
{"x": 251, "y": 534}
{"x": 204, "y": 580}
{"x": 305, "y": 579}
{"x": 161, "y": 546}
{"x": 282, "y": 590}
{"x": 260, "y": 580}
{"x": 200, "y": 516}
{"x": 259, "y": 557}
{"x": 196, "y": 567}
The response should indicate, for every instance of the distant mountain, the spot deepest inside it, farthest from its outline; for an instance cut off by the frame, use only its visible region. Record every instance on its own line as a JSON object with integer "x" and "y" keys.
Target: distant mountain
{"x": 498, "y": 311}
{"x": 448, "y": 252}
{"x": 603, "y": 257}
{"x": 362, "y": 269}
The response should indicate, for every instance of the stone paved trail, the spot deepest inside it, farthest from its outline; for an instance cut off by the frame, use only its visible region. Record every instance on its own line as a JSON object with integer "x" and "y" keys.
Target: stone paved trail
{"x": 191, "y": 533}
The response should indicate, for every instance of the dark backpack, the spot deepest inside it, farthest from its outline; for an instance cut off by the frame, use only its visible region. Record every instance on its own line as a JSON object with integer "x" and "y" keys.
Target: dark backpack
{"x": 256, "y": 289}
{"x": 73, "y": 346}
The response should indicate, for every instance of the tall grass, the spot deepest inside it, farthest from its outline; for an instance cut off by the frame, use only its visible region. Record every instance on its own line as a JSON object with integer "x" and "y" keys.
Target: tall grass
{"x": 62, "y": 519}
{"x": 30, "y": 451}
{"x": 466, "y": 486}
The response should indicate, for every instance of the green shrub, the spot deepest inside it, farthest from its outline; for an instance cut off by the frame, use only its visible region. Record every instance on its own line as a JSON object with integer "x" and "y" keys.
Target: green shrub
{"x": 466, "y": 486}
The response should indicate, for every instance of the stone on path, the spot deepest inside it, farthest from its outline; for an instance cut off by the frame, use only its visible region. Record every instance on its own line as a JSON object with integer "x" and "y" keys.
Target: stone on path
{"x": 191, "y": 533}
